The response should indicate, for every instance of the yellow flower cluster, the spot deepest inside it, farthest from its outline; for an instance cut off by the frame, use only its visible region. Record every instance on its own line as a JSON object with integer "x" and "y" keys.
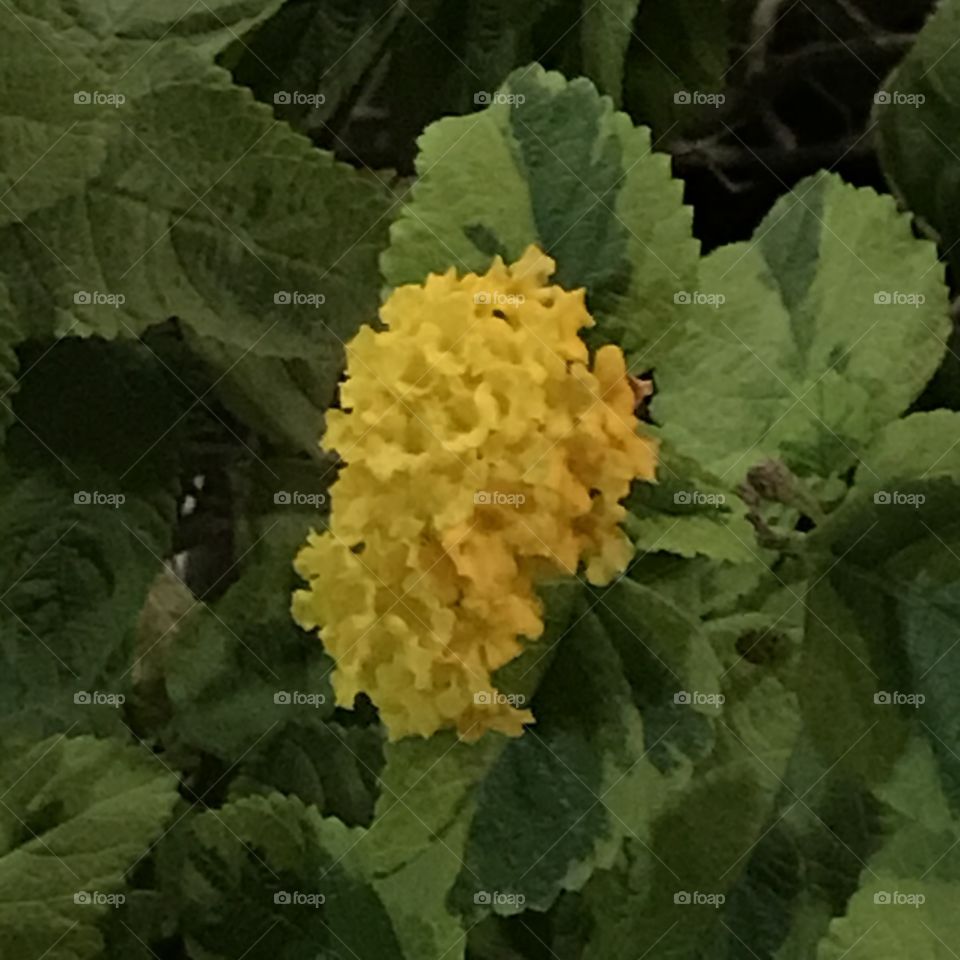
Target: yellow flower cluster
{"x": 482, "y": 455}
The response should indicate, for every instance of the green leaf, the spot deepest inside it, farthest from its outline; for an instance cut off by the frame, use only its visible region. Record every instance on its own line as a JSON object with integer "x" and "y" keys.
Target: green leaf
{"x": 917, "y": 111}
{"x": 10, "y": 336}
{"x": 836, "y": 683}
{"x": 721, "y": 535}
{"x": 800, "y": 363}
{"x": 914, "y": 791}
{"x": 930, "y": 611}
{"x": 453, "y": 836}
{"x": 561, "y": 169}
{"x": 329, "y": 766}
{"x": 680, "y": 47}
{"x": 270, "y": 877}
{"x": 87, "y": 508}
{"x": 77, "y": 576}
{"x": 184, "y": 199}
{"x": 805, "y": 873}
{"x": 718, "y": 833}
{"x": 888, "y": 596}
{"x": 904, "y": 904}
{"x": 801, "y": 870}
{"x": 690, "y": 513}
{"x": 414, "y": 847}
{"x": 673, "y": 671}
{"x": 175, "y": 22}
{"x": 283, "y": 398}
{"x": 893, "y": 930}
{"x": 311, "y": 49}
{"x": 581, "y": 768}
{"x": 50, "y": 54}
{"x": 239, "y": 672}
{"x": 919, "y": 446}
{"x": 607, "y": 30}
{"x": 702, "y": 587}
{"x": 172, "y": 231}
{"x": 248, "y": 691}
{"x": 76, "y": 814}
{"x": 702, "y": 843}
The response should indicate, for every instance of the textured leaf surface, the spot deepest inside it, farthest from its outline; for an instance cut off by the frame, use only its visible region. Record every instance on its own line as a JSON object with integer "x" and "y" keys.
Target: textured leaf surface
{"x": 891, "y": 573}
{"x": 558, "y": 167}
{"x": 52, "y": 145}
{"x": 267, "y": 876}
{"x": 86, "y": 512}
{"x": 76, "y": 814}
{"x": 453, "y": 837}
{"x": 902, "y": 907}
{"x": 801, "y": 362}
{"x": 581, "y": 768}
{"x": 327, "y": 765}
{"x": 690, "y": 513}
{"x": 681, "y": 47}
{"x": 919, "y": 142}
{"x": 703, "y": 844}
{"x": 184, "y": 198}
{"x": 607, "y": 30}
{"x": 239, "y": 672}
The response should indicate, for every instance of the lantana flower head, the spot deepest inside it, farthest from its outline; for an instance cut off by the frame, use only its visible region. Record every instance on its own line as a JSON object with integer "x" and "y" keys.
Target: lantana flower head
{"x": 483, "y": 454}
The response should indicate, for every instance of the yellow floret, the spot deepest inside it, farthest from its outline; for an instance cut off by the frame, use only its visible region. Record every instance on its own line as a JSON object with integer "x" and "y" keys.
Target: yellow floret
{"x": 482, "y": 454}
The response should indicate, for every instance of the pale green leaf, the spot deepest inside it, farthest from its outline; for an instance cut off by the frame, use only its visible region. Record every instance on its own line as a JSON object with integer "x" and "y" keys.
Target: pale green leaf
{"x": 76, "y": 815}
{"x": 551, "y": 163}
{"x": 271, "y": 878}
{"x": 917, "y": 115}
{"x": 606, "y": 33}
{"x": 799, "y": 356}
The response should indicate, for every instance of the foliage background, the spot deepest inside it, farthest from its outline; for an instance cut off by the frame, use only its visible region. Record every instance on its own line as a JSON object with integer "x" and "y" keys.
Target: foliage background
{"x": 785, "y": 786}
